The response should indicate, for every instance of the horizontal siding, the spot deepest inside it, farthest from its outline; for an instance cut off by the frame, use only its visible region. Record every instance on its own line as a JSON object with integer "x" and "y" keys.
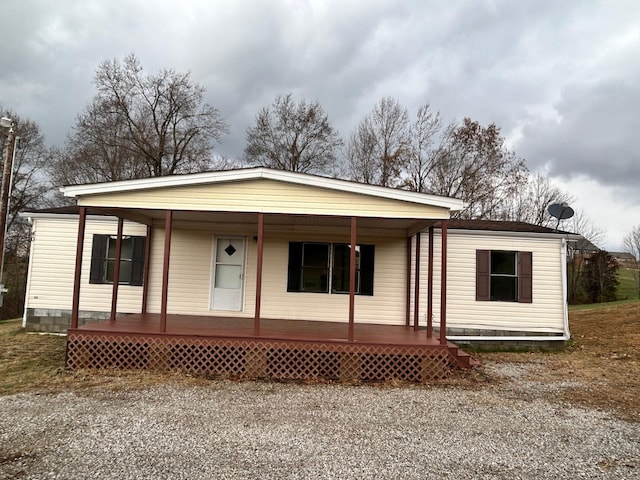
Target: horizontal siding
{"x": 191, "y": 268}
{"x": 50, "y": 283}
{"x": 544, "y": 315}
{"x": 267, "y": 196}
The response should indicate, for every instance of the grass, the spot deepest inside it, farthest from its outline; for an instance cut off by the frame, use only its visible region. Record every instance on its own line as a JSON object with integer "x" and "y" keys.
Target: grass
{"x": 602, "y": 360}
{"x": 35, "y": 363}
{"x": 628, "y": 288}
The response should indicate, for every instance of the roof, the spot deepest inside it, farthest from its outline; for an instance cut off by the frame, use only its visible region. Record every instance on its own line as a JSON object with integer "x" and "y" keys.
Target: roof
{"x": 225, "y": 176}
{"x": 501, "y": 226}
{"x": 454, "y": 224}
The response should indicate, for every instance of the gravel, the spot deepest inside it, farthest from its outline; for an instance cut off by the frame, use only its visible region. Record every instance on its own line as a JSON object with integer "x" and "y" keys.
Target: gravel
{"x": 267, "y": 430}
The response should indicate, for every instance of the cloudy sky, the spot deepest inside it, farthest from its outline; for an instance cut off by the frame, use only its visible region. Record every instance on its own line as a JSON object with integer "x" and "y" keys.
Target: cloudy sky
{"x": 561, "y": 78}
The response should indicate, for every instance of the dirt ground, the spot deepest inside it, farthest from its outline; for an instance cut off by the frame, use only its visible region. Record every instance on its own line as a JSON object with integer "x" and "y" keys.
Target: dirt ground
{"x": 600, "y": 364}
{"x": 602, "y": 360}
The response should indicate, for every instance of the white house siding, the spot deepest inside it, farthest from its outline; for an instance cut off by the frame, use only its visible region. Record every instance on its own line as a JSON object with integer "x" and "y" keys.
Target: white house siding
{"x": 191, "y": 268}
{"x": 52, "y": 265}
{"x": 545, "y": 315}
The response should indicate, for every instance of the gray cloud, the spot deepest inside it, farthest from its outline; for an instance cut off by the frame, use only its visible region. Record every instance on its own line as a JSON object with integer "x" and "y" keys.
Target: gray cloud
{"x": 560, "y": 78}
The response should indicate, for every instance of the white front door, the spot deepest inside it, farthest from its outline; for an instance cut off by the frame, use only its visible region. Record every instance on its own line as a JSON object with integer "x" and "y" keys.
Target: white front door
{"x": 228, "y": 273}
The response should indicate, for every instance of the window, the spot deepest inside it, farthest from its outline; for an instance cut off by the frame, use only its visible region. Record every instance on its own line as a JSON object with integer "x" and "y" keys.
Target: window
{"x": 503, "y": 276}
{"x": 103, "y": 259}
{"x": 324, "y": 268}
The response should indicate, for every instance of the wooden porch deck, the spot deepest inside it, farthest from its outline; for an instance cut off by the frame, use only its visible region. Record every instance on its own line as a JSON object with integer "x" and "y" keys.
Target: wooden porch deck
{"x": 300, "y": 349}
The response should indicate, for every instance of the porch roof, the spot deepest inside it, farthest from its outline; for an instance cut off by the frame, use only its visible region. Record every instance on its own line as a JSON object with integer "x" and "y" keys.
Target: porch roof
{"x": 263, "y": 190}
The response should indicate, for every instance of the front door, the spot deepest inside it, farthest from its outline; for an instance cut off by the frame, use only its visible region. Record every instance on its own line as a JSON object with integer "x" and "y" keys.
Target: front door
{"x": 228, "y": 273}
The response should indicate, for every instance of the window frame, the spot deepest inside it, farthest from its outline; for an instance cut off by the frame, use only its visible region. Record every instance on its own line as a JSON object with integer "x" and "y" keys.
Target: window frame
{"x": 524, "y": 275}
{"x": 364, "y": 268}
{"x": 100, "y": 260}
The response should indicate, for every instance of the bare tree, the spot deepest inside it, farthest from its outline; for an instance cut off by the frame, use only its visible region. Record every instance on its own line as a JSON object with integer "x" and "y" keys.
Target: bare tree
{"x": 140, "y": 125}
{"x": 475, "y": 166}
{"x": 29, "y": 191}
{"x": 425, "y": 138}
{"x": 631, "y": 243}
{"x": 530, "y": 202}
{"x": 379, "y": 148}
{"x": 293, "y": 136}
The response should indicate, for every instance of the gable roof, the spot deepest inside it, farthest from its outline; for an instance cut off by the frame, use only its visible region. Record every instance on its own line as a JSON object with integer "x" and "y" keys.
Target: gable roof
{"x": 227, "y": 176}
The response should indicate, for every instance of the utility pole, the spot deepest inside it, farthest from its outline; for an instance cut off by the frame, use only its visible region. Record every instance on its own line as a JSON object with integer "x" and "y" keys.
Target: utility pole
{"x": 4, "y": 195}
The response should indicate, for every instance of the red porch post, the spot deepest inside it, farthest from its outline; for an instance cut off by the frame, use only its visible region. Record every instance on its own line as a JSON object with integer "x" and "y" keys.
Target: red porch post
{"x": 352, "y": 277}
{"x": 416, "y": 295}
{"x": 256, "y": 320}
{"x": 443, "y": 285}
{"x": 408, "y": 312}
{"x": 145, "y": 273}
{"x": 116, "y": 271}
{"x": 430, "y": 286}
{"x": 165, "y": 270}
{"x": 75, "y": 308}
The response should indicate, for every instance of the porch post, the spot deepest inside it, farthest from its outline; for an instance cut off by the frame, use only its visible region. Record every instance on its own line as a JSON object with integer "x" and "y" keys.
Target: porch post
{"x": 416, "y": 297}
{"x": 165, "y": 270}
{"x": 352, "y": 277}
{"x": 116, "y": 271}
{"x": 443, "y": 285}
{"x": 145, "y": 273}
{"x": 430, "y": 286}
{"x": 408, "y": 307}
{"x": 256, "y": 320}
{"x": 75, "y": 308}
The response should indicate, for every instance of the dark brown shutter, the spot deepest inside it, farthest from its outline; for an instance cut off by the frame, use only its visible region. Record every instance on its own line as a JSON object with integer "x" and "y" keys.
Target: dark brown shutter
{"x": 366, "y": 269}
{"x": 525, "y": 277}
{"x": 294, "y": 279}
{"x": 137, "y": 261}
{"x": 483, "y": 275}
{"x": 98, "y": 255}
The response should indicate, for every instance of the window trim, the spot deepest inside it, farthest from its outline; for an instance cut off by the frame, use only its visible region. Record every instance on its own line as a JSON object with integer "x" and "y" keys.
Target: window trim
{"x": 100, "y": 258}
{"x": 364, "y": 272}
{"x": 524, "y": 275}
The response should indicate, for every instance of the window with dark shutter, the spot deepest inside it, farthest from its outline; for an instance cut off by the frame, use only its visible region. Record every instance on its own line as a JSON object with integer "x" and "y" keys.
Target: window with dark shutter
{"x": 504, "y": 276}
{"x": 103, "y": 254}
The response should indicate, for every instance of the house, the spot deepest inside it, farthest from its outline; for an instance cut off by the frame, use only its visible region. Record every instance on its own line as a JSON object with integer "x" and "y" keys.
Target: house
{"x": 258, "y": 272}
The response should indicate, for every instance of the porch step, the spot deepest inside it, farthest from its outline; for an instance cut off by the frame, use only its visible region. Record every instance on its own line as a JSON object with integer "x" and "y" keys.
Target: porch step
{"x": 463, "y": 358}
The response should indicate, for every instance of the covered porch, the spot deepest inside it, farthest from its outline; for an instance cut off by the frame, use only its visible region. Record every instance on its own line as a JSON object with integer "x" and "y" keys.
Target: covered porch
{"x": 351, "y": 340}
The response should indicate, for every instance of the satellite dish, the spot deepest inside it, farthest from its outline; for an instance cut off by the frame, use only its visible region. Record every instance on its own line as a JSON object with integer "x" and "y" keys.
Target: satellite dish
{"x": 561, "y": 211}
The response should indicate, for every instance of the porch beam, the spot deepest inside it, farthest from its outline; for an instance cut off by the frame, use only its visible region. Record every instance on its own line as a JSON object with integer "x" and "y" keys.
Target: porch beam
{"x": 165, "y": 270}
{"x": 116, "y": 270}
{"x": 145, "y": 273}
{"x": 430, "y": 286}
{"x": 75, "y": 308}
{"x": 407, "y": 320}
{"x": 416, "y": 286}
{"x": 443, "y": 284}
{"x": 260, "y": 254}
{"x": 352, "y": 277}
{"x": 127, "y": 214}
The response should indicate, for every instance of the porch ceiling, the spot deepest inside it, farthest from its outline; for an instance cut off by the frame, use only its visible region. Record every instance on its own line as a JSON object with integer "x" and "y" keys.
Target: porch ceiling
{"x": 154, "y": 216}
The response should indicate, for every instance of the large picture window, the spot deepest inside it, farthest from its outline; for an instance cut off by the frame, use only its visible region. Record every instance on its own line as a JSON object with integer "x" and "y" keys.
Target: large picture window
{"x": 103, "y": 259}
{"x": 504, "y": 276}
{"x": 324, "y": 268}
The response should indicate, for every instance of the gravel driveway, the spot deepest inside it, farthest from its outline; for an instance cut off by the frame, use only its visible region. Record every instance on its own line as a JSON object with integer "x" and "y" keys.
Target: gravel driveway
{"x": 275, "y": 430}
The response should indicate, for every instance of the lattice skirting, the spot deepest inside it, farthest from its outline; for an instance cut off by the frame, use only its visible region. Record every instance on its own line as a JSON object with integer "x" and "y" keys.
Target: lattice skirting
{"x": 244, "y": 358}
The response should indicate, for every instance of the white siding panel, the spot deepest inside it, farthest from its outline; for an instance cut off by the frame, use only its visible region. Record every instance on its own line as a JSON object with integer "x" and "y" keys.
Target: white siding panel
{"x": 50, "y": 284}
{"x": 544, "y": 315}
{"x": 190, "y": 279}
